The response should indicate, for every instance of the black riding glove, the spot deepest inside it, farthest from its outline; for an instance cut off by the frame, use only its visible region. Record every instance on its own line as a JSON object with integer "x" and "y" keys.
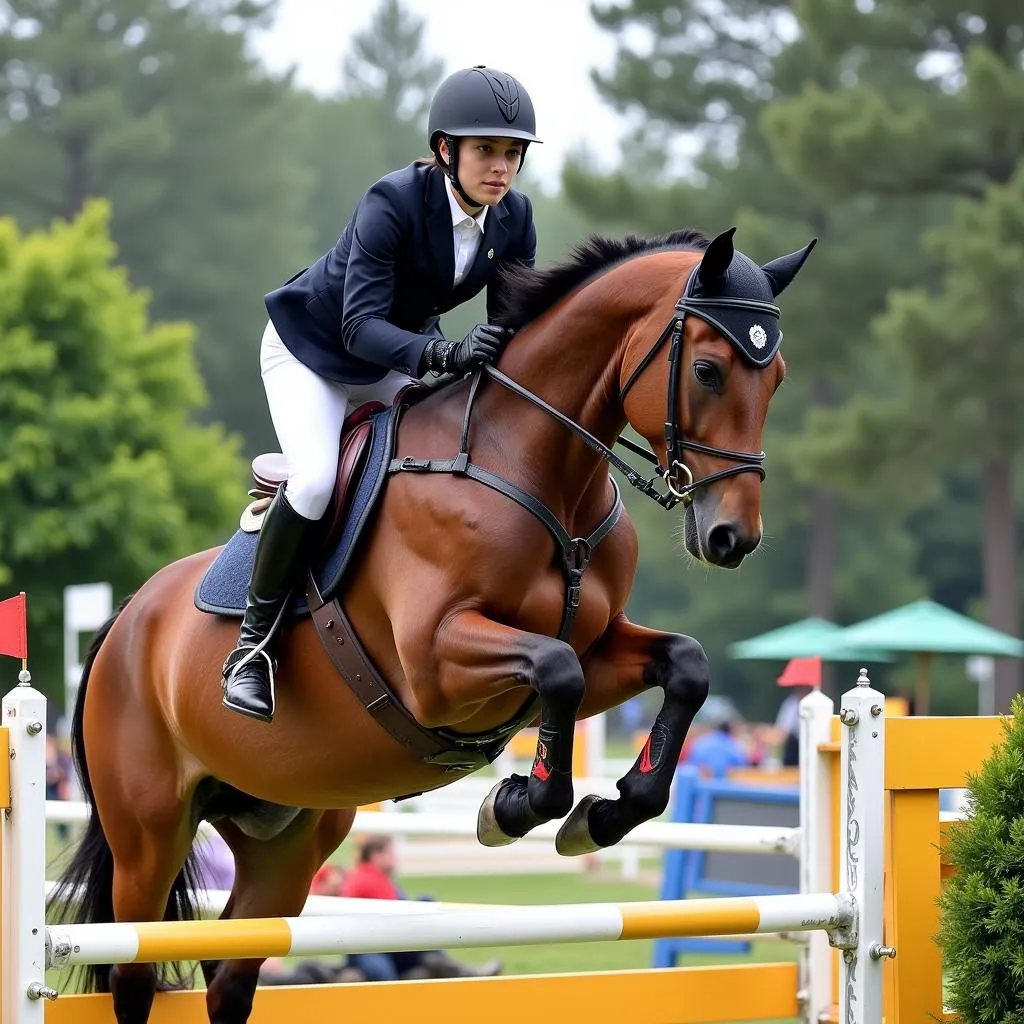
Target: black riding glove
{"x": 482, "y": 345}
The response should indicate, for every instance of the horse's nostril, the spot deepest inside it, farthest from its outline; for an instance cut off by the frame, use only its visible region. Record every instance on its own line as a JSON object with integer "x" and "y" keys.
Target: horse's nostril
{"x": 722, "y": 542}
{"x": 728, "y": 546}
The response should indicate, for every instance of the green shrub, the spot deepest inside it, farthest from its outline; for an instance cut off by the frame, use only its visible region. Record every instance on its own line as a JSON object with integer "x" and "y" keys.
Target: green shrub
{"x": 982, "y": 907}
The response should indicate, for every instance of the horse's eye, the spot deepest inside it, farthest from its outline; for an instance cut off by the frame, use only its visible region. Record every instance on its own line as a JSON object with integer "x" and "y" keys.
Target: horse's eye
{"x": 707, "y": 374}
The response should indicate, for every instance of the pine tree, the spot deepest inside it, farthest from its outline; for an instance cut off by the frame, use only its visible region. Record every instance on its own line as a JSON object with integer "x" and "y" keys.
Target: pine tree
{"x": 157, "y": 106}
{"x": 387, "y": 62}
{"x": 928, "y": 108}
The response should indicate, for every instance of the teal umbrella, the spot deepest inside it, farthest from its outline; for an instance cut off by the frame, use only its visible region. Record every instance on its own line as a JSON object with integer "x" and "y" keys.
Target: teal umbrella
{"x": 924, "y": 628}
{"x": 804, "y": 639}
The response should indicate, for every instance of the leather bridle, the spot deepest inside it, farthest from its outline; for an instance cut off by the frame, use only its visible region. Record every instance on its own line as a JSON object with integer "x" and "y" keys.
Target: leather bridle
{"x": 677, "y": 475}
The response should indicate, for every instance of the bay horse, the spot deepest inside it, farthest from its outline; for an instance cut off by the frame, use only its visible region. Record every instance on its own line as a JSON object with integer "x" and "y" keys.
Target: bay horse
{"x": 458, "y": 596}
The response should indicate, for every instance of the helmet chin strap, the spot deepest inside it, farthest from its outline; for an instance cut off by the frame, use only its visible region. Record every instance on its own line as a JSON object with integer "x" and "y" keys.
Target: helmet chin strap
{"x": 453, "y": 172}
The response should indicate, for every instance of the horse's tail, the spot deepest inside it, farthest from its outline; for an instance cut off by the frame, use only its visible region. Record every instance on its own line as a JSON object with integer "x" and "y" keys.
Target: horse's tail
{"x": 84, "y": 892}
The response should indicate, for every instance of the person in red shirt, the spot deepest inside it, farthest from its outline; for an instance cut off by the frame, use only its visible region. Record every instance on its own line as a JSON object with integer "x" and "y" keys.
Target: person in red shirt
{"x": 327, "y": 881}
{"x": 372, "y": 878}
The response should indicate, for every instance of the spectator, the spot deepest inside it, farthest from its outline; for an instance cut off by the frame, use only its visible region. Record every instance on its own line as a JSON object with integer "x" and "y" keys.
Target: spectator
{"x": 309, "y": 971}
{"x": 803, "y": 675}
{"x": 327, "y": 881}
{"x": 717, "y": 750}
{"x": 373, "y": 878}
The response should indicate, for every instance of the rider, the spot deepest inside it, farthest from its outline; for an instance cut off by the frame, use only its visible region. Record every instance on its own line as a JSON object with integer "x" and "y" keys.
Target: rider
{"x": 363, "y": 322}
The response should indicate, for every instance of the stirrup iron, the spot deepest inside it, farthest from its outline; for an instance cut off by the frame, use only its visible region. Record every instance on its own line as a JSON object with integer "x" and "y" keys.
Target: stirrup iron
{"x": 228, "y": 673}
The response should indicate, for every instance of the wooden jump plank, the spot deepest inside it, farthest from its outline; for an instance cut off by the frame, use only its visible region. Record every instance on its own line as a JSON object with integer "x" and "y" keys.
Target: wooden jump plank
{"x": 705, "y": 995}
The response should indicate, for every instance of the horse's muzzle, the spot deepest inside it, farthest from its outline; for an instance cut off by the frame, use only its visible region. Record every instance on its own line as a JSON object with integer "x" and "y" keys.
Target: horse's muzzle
{"x": 726, "y": 545}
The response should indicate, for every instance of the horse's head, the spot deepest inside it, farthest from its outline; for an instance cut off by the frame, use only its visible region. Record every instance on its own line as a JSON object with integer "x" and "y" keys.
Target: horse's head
{"x": 704, "y": 407}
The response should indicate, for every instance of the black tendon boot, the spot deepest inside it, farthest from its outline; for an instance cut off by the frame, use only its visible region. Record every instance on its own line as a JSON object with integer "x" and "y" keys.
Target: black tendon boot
{"x": 281, "y": 553}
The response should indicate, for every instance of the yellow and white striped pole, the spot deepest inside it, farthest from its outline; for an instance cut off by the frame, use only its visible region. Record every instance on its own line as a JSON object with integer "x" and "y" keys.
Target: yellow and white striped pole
{"x": 486, "y": 926}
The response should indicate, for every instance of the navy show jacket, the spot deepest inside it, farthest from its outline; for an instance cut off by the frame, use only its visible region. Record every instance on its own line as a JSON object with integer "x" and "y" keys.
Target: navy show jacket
{"x": 372, "y": 303}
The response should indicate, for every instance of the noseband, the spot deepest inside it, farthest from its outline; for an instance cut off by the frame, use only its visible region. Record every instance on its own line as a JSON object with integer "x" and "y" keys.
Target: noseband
{"x": 678, "y": 477}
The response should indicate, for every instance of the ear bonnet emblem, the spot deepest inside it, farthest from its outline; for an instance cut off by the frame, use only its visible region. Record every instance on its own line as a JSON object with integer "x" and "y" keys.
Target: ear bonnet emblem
{"x": 758, "y": 336}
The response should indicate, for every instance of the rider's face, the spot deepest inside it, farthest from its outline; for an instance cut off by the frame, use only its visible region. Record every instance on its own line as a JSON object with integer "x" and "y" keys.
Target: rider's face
{"x": 487, "y": 167}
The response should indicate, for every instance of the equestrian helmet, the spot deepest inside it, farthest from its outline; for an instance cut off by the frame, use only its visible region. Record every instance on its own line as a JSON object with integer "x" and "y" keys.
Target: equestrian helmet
{"x": 481, "y": 101}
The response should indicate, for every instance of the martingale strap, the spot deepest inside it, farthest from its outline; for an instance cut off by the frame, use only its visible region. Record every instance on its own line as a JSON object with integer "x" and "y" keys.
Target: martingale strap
{"x": 575, "y": 552}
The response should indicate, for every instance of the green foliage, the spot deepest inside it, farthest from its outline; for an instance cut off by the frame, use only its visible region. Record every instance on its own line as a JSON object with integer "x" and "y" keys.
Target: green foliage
{"x": 927, "y": 98}
{"x": 950, "y": 376}
{"x": 955, "y": 342}
{"x": 982, "y": 905}
{"x": 103, "y": 472}
{"x": 158, "y": 106}
{"x": 926, "y": 106}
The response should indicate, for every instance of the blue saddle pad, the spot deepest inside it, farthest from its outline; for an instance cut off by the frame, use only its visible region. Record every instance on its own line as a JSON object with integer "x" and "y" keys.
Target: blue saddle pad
{"x": 224, "y": 586}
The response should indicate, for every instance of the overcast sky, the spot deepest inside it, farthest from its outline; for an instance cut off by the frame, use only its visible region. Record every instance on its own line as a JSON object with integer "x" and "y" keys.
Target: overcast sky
{"x": 549, "y": 45}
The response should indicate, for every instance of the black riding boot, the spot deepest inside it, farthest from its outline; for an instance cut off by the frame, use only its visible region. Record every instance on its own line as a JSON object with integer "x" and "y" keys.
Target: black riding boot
{"x": 281, "y": 558}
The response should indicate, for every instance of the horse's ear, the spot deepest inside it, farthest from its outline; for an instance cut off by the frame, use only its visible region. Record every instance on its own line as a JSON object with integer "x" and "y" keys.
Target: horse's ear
{"x": 717, "y": 258}
{"x": 781, "y": 271}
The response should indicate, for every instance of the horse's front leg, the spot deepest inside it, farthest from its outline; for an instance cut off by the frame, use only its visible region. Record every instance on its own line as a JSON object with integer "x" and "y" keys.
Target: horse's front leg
{"x": 480, "y": 659}
{"x": 629, "y": 659}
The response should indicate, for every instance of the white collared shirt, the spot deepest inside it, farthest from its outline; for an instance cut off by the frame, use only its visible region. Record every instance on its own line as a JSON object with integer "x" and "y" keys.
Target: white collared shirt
{"x": 468, "y": 232}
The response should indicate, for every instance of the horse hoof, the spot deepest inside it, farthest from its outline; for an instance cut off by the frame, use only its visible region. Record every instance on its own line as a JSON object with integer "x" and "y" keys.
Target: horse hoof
{"x": 488, "y": 831}
{"x": 574, "y": 838}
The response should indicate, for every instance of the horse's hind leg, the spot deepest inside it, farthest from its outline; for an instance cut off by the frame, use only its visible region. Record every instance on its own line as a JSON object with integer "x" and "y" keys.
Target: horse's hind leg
{"x": 272, "y": 879}
{"x": 147, "y": 861}
{"x": 629, "y": 659}
{"x": 479, "y": 659}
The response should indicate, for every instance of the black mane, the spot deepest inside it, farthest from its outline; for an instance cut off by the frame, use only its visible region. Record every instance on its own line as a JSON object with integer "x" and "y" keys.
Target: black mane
{"x": 527, "y": 292}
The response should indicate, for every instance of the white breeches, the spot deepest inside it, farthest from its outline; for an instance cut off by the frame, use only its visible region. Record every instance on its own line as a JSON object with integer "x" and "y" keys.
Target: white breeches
{"x": 308, "y": 412}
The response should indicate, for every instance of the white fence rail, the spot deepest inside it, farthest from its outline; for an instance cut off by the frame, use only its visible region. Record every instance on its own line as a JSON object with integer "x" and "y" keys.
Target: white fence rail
{"x": 662, "y": 835}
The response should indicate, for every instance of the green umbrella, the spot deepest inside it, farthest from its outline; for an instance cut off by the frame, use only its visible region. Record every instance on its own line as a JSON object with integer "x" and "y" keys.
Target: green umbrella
{"x": 804, "y": 639}
{"x": 924, "y": 628}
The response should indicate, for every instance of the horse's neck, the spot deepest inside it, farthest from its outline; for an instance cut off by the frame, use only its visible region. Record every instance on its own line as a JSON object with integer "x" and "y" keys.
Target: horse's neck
{"x": 572, "y": 359}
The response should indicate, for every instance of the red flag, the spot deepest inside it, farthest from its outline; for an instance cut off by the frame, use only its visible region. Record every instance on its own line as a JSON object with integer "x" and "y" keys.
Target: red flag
{"x": 13, "y": 631}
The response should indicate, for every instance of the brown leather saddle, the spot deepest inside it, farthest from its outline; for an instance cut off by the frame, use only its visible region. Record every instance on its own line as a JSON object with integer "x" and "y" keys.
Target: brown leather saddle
{"x": 270, "y": 470}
